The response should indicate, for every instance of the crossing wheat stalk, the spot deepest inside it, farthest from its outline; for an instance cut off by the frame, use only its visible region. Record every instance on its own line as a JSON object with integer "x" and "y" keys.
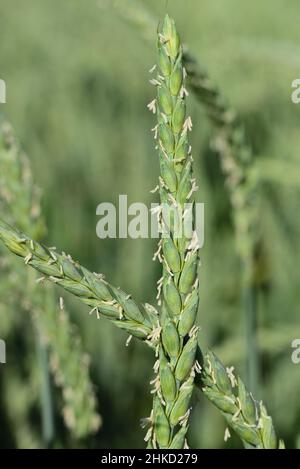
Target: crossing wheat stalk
{"x": 90, "y": 288}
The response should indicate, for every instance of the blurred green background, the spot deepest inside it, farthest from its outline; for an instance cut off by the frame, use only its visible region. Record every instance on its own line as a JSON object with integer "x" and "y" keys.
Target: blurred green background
{"x": 77, "y": 89}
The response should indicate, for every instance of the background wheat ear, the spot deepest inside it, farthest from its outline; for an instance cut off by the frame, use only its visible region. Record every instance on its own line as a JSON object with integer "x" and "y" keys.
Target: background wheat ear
{"x": 242, "y": 183}
{"x": 58, "y": 341}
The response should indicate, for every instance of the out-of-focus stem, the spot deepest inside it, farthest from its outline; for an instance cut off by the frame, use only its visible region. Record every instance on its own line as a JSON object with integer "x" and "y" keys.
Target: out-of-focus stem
{"x": 250, "y": 324}
{"x": 47, "y": 418}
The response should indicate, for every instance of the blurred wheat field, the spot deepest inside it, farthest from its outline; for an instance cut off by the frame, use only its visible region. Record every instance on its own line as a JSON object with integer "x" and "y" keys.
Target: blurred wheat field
{"x": 77, "y": 89}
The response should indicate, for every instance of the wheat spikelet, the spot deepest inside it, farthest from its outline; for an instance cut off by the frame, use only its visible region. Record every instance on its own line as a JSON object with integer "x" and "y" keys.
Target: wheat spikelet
{"x": 247, "y": 417}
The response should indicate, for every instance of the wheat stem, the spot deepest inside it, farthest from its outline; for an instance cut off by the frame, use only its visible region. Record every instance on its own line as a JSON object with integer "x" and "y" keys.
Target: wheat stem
{"x": 68, "y": 363}
{"x": 250, "y": 324}
{"x": 45, "y": 392}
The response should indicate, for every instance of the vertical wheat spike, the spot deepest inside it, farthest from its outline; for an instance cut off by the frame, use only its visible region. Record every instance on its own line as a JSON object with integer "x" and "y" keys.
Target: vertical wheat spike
{"x": 236, "y": 160}
{"x": 176, "y": 354}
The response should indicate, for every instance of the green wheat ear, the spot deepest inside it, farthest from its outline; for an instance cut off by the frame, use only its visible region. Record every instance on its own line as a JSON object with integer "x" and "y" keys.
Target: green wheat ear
{"x": 179, "y": 254}
{"x": 238, "y": 167}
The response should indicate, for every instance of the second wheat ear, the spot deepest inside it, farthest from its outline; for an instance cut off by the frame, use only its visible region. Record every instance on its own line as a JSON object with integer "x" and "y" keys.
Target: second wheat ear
{"x": 53, "y": 329}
